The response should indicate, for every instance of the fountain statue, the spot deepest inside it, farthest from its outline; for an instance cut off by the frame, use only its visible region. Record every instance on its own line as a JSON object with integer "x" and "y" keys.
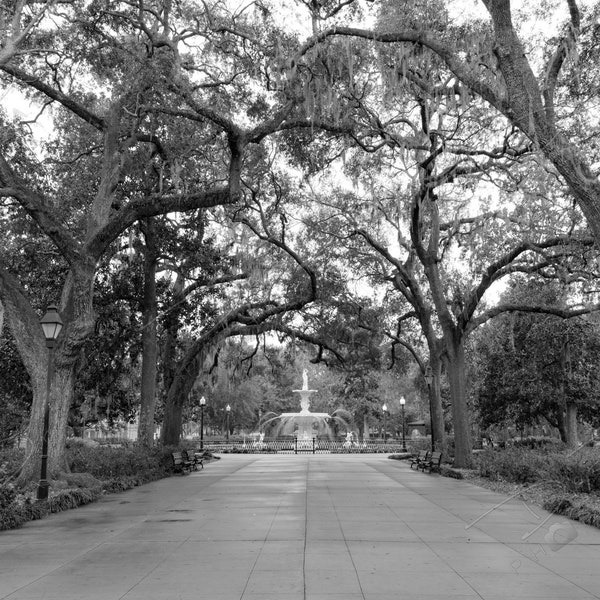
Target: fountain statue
{"x": 306, "y": 424}
{"x": 305, "y": 395}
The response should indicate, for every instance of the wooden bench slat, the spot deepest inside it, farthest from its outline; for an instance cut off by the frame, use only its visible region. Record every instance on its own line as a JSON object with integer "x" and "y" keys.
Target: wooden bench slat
{"x": 181, "y": 464}
{"x": 195, "y": 458}
{"x": 420, "y": 458}
{"x": 433, "y": 463}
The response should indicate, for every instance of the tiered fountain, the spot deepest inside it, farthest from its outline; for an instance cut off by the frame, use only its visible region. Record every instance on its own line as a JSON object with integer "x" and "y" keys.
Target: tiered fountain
{"x": 305, "y": 424}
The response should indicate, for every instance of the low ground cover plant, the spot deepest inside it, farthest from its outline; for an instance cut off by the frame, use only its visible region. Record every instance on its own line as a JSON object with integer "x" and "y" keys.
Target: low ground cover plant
{"x": 515, "y": 464}
{"x": 95, "y": 469}
{"x": 576, "y": 471}
{"x": 561, "y": 480}
{"x": 544, "y": 471}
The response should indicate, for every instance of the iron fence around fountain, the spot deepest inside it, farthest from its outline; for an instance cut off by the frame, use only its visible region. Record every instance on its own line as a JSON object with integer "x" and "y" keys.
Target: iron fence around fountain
{"x": 313, "y": 446}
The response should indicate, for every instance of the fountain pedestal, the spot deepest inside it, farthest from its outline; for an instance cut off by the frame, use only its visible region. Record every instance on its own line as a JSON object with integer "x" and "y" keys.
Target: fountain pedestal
{"x": 305, "y": 419}
{"x": 306, "y": 424}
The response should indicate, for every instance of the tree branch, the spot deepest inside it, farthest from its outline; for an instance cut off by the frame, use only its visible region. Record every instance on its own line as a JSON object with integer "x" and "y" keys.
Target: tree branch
{"x": 152, "y": 205}
{"x": 33, "y": 204}
{"x": 67, "y": 101}
{"x": 497, "y": 269}
{"x": 503, "y": 308}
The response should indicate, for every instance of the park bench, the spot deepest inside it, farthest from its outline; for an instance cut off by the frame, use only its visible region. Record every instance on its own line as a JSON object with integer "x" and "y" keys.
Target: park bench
{"x": 433, "y": 463}
{"x": 420, "y": 458}
{"x": 181, "y": 464}
{"x": 195, "y": 457}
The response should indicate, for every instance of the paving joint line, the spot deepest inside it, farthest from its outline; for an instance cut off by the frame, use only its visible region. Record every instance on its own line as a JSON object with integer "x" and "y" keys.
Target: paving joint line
{"x": 362, "y": 592}
{"x": 505, "y": 544}
{"x": 264, "y": 542}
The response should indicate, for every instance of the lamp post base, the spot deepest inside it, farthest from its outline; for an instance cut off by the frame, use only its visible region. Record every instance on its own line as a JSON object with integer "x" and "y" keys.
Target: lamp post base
{"x": 42, "y": 491}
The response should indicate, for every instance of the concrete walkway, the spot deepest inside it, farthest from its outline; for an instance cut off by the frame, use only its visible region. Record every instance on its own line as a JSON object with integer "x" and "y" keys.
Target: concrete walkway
{"x": 285, "y": 527}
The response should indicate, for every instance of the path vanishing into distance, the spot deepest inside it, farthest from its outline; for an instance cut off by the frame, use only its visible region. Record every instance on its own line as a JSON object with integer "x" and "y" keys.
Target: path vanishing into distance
{"x": 302, "y": 527}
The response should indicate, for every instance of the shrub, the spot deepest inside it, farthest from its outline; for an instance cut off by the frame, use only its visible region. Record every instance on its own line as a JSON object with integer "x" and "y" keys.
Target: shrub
{"x": 518, "y": 465}
{"x": 95, "y": 469}
{"x": 107, "y": 462}
{"x": 120, "y": 484}
{"x": 416, "y": 444}
{"x": 539, "y": 443}
{"x": 21, "y": 510}
{"x": 574, "y": 508}
{"x": 73, "y": 498}
{"x": 451, "y": 472}
{"x": 557, "y": 504}
{"x": 81, "y": 480}
{"x": 7, "y": 495}
{"x": 578, "y": 471}
{"x": 10, "y": 519}
{"x": 11, "y": 460}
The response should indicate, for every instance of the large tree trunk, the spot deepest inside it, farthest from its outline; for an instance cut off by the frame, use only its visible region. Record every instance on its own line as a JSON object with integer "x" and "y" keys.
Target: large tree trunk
{"x": 61, "y": 395}
{"x": 532, "y": 109}
{"x": 77, "y": 312}
{"x": 78, "y": 322}
{"x": 149, "y": 341}
{"x": 569, "y": 421}
{"x": 170, "y": 433}
{"x": 30, "y": 469}
{"x": 148, "y": 380}
{"x": 571, "y": 437}
{"x": 61, "y": 398}
{"x": 436, "y": 410}
{"x": 28, "y": 336}
{"x": 172, "y": 419}
{"x": 562, "y": 424}
{"x": 460, "y": 411}
{"x": 23, "y": 322}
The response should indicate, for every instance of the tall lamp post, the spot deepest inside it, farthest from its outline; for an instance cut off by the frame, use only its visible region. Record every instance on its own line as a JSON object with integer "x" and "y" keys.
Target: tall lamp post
{"x": 429, "y": 382}
{"x": 402, "y": 403}
{"x": 202, "y": 403}
{"x": 227, "y": 411}
{"x": 51, "y": 325}
{"x": 384, "y": 408}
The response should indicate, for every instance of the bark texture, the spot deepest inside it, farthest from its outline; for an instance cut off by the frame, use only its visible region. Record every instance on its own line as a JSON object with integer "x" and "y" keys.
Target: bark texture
{"x": 149, "y": 339}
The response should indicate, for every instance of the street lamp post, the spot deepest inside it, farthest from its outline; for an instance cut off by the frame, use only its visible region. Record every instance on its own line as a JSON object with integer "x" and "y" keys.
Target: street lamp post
{"x": 402, "y": 403}
{"x": 384, "y": 408}
{"x": 202, "y": 403}
{"x": 51, "y": 325}
{"x": 227, "y": 411}
{"x": 429, "y": 382}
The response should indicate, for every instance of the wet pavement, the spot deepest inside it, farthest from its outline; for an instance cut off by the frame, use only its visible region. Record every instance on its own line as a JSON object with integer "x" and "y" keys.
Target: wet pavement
{"x": 302, "y": 527}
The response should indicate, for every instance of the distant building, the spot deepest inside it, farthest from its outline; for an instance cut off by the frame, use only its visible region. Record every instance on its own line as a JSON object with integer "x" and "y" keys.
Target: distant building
{"x": 416, "y": 429}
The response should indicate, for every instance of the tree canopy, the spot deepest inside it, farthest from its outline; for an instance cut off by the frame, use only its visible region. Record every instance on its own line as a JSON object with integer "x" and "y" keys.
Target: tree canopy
{"x": 357, "y": 176}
